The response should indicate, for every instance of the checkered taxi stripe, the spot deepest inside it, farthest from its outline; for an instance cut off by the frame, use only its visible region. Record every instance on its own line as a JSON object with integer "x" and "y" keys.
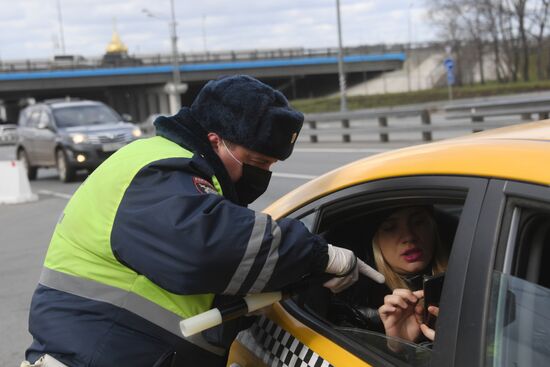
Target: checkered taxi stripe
{"x": 276, "y": 347}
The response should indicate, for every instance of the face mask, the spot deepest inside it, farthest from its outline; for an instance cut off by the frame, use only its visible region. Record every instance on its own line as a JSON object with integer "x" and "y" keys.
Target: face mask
{"x": 253, "y": 182}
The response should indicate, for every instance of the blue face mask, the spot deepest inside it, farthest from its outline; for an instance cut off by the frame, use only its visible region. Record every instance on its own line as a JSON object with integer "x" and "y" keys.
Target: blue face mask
{"x": 253, "y": 182}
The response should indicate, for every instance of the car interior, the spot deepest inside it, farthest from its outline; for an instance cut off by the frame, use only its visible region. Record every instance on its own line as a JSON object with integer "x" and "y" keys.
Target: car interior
{"x": 351, "y": 224}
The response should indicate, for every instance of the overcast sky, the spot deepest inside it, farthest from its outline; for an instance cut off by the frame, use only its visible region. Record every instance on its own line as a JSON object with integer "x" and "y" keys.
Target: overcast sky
{"x": 30, "y": 28}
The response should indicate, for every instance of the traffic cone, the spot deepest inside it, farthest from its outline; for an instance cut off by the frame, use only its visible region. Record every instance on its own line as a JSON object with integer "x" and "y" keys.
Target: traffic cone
{"x": 14, "y": 183}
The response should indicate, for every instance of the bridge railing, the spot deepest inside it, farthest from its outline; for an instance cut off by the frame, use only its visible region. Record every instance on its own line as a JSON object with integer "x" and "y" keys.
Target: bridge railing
{"x": 79, "y": 62}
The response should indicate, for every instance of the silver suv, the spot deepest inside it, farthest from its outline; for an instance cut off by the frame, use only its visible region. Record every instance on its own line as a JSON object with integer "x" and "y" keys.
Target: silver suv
{"x": 70, "y": 135}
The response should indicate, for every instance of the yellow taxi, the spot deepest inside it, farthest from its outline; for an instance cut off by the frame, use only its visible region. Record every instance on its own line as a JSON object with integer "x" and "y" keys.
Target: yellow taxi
{"x": 490, "y": 193}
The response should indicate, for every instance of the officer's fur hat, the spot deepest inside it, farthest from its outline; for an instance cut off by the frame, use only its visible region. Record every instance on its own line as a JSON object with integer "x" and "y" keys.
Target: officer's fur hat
{"x": 247, "y": 112}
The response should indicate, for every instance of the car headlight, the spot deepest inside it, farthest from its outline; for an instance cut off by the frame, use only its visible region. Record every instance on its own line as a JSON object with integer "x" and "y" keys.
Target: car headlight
{"x": 136, "y": 132}
{"x": 79, "y": 138}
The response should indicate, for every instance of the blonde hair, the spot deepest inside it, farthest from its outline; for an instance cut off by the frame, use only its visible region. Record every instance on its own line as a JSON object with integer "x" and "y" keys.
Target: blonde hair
{"x": 393, "y": 279}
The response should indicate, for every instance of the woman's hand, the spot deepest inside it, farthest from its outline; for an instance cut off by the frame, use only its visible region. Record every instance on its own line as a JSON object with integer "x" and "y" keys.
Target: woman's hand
{"x": 402, "y": 315}
{"x": 430, "y": 333}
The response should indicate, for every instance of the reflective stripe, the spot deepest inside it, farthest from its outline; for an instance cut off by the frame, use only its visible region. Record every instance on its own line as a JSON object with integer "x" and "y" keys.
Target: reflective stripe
{"x": 252, "y": 249}
{"x": 126, "y": 300}
{"x": 270, "y": 261}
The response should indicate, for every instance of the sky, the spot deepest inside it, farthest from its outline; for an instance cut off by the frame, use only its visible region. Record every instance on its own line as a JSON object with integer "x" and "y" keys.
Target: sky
{"x": 31, "y": 28}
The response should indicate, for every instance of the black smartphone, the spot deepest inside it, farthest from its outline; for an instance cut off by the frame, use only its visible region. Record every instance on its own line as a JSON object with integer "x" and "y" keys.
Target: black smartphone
{"x": 432, "y": 285}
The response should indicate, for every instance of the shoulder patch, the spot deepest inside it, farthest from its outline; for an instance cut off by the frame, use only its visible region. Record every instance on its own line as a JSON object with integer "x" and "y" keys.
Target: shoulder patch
{"x": 203, "y": 186}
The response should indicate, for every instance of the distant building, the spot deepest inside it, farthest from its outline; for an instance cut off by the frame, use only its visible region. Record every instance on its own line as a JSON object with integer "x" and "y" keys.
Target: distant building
{"x": 117, "y": 53}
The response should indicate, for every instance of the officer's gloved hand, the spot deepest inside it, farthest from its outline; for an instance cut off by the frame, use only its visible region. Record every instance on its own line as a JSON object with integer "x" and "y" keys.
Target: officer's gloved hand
{"x": 346, "y": 267}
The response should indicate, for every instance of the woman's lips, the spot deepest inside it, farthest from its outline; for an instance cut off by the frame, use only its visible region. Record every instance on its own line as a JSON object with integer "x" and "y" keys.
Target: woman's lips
{"x": 412, "y": 255}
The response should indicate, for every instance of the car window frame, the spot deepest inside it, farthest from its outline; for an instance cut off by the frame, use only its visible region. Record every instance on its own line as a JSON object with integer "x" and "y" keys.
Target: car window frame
{"x": 502, "y": 209}
{"x": 489, "y": 249}
{"x": 448, "y": 323}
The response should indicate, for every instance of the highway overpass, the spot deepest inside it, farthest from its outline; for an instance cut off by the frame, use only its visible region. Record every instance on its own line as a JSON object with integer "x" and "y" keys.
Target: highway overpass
{"x": 139, "y": 90}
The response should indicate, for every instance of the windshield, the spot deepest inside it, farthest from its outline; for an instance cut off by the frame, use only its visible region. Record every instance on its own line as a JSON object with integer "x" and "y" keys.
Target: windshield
{"x": 84, "y": 115}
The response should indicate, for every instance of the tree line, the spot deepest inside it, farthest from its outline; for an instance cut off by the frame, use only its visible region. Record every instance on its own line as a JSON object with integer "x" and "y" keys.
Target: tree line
{"x": 503, "y": 34}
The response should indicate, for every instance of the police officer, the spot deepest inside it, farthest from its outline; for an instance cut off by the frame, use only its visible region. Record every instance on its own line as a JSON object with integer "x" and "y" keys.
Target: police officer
{"x": 161, "y": 232}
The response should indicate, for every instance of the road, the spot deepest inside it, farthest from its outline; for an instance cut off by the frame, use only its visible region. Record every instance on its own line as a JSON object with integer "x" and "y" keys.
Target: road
{"x": 27, "y": 228}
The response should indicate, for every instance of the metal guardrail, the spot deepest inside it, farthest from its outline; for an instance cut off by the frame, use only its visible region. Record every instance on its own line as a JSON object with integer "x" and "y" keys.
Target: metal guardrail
{"x": 376, "y": 120}
{"x": 313, "y": 122}
{"x": 525, "y": 107}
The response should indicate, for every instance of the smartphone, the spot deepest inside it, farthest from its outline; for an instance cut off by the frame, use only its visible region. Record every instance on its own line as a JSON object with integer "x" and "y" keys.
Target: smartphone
{"x": 432, "y": 285}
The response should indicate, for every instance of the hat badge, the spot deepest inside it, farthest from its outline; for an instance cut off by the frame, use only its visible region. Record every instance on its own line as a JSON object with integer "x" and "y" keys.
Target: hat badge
{"x": 293, "y": 138}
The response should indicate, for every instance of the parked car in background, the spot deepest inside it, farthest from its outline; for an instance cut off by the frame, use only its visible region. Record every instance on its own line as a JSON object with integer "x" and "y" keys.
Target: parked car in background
{"x": 70, "y": 135}
{"x": 490, "y": 194}
{"x": 8, "y": 134}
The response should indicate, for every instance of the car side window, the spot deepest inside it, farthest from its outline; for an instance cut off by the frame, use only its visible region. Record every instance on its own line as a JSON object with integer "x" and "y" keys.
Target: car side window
{"x": 45, "y": 119}
{"x": 309, "y": 220}
{"x": 354, "y": 313}
{"x": 520, "y": 294}
{"x": 34, "y": 118}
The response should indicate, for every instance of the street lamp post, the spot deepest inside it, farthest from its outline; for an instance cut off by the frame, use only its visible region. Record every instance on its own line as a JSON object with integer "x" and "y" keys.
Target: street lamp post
{"x": 176, "y": 76}
{"x": 408, "y": 61}
{"x": 341, "y": 75}
{"x": 176, "y": 88}
{"x": 61, "y": 33}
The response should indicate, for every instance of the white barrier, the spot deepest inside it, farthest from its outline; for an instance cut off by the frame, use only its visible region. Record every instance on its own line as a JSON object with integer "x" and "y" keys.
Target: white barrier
{"x": 14, "y": 184}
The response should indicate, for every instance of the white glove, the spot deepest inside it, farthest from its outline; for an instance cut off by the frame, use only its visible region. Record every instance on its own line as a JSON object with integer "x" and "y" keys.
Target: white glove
{"x": 346, "y": 266}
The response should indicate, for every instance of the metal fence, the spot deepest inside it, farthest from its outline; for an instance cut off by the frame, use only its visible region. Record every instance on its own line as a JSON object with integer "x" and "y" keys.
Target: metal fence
{"x": 385, "y": 122}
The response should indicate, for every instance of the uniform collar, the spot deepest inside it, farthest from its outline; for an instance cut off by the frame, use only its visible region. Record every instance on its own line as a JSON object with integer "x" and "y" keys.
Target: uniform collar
{"x": 183, "y": 130}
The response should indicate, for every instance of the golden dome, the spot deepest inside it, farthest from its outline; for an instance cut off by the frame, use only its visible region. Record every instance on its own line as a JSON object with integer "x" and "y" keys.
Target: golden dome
{"x": 116, "y": 45}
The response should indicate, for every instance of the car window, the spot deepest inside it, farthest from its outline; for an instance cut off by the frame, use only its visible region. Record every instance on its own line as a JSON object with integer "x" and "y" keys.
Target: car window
{"x": 34, "y": 118}
{"x": 355, "y": 311}
{"x": 519, "y": 323}
{"x": 84, "y": 115}
{"x": 348, "y": 222}
{"x": 44, "y": 119}
{"x": 309, "y": 220}
{"x": 519, "y": 311}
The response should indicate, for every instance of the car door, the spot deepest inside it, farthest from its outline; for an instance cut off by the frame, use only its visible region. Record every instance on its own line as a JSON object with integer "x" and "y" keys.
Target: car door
{"x": 299, "y": 331}
{"x": 28, "y": 130}
{"x": 507, "y": 321}
{"x": 45, "y": 139}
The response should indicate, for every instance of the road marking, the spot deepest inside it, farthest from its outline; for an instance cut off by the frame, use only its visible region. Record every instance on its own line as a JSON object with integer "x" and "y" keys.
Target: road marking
{"x": 342, "y": 150}
{"x": 275, "y": 174}
{"x": 56, "y": 194}
{"x": 294, "y": 175}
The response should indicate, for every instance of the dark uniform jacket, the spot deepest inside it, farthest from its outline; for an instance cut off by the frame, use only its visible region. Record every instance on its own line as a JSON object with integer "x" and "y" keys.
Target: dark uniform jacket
{"x": 173, "y": 227}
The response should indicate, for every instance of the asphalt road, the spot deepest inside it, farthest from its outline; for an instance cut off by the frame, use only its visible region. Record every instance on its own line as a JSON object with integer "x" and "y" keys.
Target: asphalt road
{"x": 27, "y": 228}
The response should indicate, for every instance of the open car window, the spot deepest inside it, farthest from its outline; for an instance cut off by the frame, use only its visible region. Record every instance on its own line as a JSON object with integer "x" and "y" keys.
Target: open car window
{"x": 344, "y": 222}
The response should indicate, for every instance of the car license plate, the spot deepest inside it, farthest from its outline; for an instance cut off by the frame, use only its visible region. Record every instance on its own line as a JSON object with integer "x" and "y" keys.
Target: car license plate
{"x": 111, "y": 147}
